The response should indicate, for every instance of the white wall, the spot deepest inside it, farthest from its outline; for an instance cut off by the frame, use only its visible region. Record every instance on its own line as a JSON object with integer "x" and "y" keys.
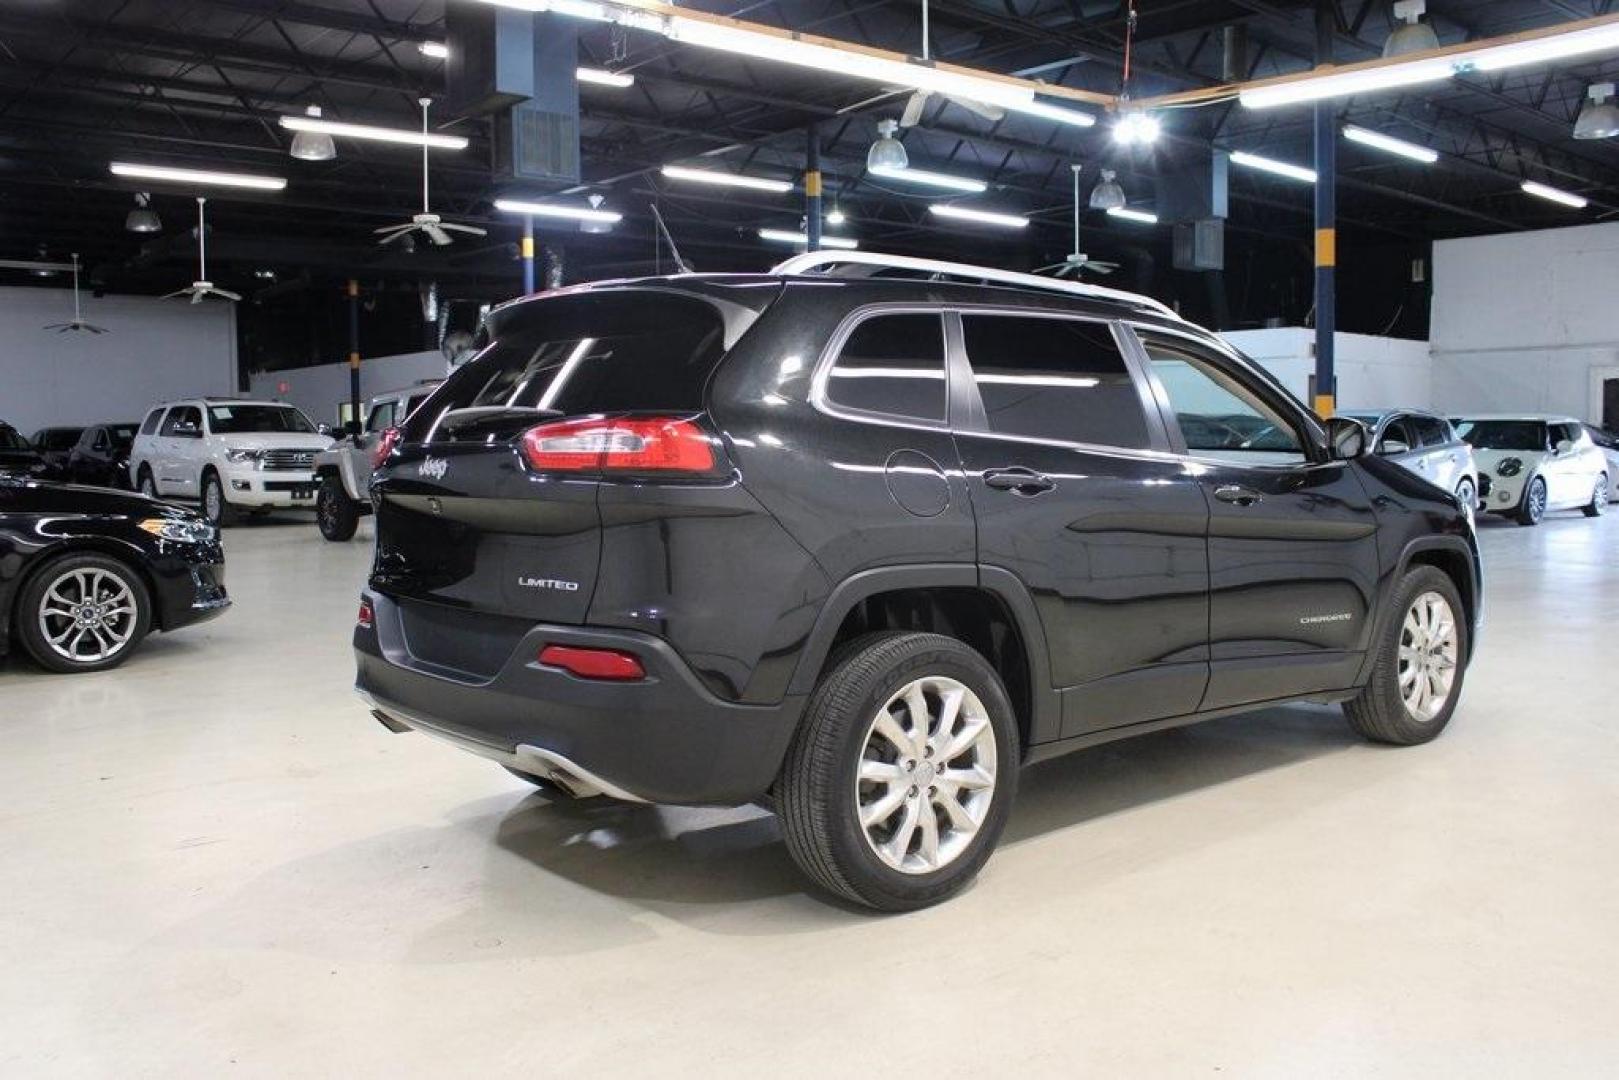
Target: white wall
{"x": 154, "y": 350}
{"x": 319, "y": 390}
{"x": 1373, "y": 372}
{"x": 1521, "y": 321}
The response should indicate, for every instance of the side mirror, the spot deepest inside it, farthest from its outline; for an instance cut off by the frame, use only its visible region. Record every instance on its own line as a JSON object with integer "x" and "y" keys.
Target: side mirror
{"x": 1564, "y": 446}
{"x": 1390, "y": 447}
{"x": 1347, "y": 438}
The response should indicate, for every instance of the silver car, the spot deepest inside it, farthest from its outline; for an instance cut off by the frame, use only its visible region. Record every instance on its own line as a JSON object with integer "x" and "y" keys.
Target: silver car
{"x": 1608, "y": 442}
{"x": 344, "y": 471}
{"x": 1427, "y": 445}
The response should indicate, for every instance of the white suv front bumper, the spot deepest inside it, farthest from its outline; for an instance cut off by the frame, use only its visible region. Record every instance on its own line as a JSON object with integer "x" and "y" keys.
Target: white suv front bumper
{"x": 249, "y": 486}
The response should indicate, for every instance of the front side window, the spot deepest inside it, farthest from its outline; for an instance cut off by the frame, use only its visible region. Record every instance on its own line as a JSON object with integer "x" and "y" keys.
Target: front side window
{"x": 123, "y": 436}
{"x": 1397, "y": 437}
{"x": 151, "y": 421}
{"x": 892, "y": 365}
{"x": 1218, "y": 416}
{"x": 382, "y": 417}
{"x": 1430, "y": 432}
{"x": 258, "y": 420}
{"x": 1059, "y": 379}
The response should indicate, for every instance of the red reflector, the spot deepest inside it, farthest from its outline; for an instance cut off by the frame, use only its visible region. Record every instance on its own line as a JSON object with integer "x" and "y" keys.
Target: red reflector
{"x": 384, "y": 447}
{"x": 366, "y": 618}
{"x": 593, "y": 663}
{"x": 659, "y": 444}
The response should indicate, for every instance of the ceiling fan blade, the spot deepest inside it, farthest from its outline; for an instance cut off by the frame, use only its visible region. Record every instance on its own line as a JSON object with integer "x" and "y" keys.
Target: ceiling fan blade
{"x": 227, "y": 294}
{"x": 96, "y": 329}
{"x": 438, "y": 235}
{"x": 913, "y": 109}
{"x": 196, "y": 296}
{"x": 471, "y": 229}
{"x": 396, "y": 236}
{"x": 404, "y": 227}
{"x": 992, "y": 113}
{"x": 176, "y": 293}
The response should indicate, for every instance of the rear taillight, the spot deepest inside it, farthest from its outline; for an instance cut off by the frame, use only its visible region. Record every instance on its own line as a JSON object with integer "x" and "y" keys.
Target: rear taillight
{"x": 384, "y": 447}
{"x": 609, "y": 664}
{"x": 659, "y": 444}
{"x": 366, "y": 619}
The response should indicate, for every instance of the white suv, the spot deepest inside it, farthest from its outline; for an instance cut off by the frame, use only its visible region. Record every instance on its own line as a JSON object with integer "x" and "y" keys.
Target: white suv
{"x": 229, "y": 455}
{"x": 1537, "y": 464}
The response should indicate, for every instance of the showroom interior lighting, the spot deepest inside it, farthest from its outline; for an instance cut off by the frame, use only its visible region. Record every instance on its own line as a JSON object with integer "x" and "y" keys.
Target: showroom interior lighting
{"x": 1347, "y": 83}
{"x": 1556, "y": 195}
{"x": 982, "y": 217}
{"x": 724, "y": 179}
{"x": 1412, "y": 35}
{"x": 1128, "y": 214}
{"x": 1271, "y": 165}
{"x": 143, "y": 219}
{"x": 788, "y": 236}
{"x": 1108, "y": 194}
{"x": 317, "y": 125}
{"x": 836, "y": 216}
{"x": 312, "y": 145}
{"x": 933, "y": 179}
{"x": 1137, "y": 128}
{"x": 1379, "y": 141}
{"x": 553, "y": 210}
{"x": 1599, "y": 117}
{"x": 886, "y": 151}
{"x": 170, "y": 175}
{"x": 436, "y": 49}
{"x": 603, "y": 77}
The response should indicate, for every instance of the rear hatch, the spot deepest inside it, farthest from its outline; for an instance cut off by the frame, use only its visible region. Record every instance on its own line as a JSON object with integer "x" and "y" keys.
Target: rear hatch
{"x": 487, "y": 518}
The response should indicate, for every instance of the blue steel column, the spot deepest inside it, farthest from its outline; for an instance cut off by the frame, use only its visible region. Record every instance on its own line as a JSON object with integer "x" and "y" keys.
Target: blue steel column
{"x": 528, "y": 254}
{"x": 1326, "y": 225}
{"x": 812, "y": 190}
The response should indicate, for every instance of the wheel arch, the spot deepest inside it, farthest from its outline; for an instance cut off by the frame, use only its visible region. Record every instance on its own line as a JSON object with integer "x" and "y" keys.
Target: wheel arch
{"x": 1456, "y": 559}
{"x": 82, "y": 545}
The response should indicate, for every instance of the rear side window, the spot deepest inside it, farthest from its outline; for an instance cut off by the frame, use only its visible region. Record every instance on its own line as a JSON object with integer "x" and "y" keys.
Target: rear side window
{"x": 892, "y": 365}
{"x": 1430, "y": 432}
{"x": 608, "y": 352}
{"x": 151, "y": 421}
{"x": 1061, "y": 379}
{"x": 187, "y": 415}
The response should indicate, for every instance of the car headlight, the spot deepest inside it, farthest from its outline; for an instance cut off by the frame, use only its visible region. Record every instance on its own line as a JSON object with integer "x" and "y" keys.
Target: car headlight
{"x": 1509, "y": 467}
{"x": 242, "y": 456}
{"x": 181, "y": 530}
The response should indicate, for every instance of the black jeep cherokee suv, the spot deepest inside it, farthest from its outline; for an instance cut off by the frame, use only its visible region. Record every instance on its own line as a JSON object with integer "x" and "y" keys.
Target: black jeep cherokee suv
{"x": 859, "y": 546}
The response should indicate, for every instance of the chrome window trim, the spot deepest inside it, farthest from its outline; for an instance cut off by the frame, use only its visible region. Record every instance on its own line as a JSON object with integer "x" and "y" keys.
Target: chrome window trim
{"x": 828, "y": 359}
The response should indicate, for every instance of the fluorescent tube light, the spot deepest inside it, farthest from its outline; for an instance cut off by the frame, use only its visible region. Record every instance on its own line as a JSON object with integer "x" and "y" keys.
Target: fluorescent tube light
{"x": 1350, "y": 82}
{"x": 602, "y": 77}
{"x": 725, "y": 179}
{"x": 1556, "y": 195}
{"x": 573, "y": 213}
{"x": 1280, "y": 168}
{"x": 1133, "y": 215}
{"x": 197, "y": 176}
{"x": 1391, "y": 145}
{"x": 932, "y": 179}
{"x": 374, "y": 134}
{"x": 983, "y": 217}
{"x": 1555, "y": 47}
{"x": 436, "y": 49}
{"x": 787, "y": 236}
{"x": 1054, "y": 112}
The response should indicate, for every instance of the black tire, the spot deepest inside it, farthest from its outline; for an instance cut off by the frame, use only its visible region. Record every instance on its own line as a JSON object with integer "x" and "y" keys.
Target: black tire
{"x": 220, "y": 513}
{"x": 1533, "y": 507}
{"x": 1379, "y": 712}
{"x": 145, "y": 484}
{"x": 335, "y": 512}
{"x": 38, "y": 593}
{"x": 817, "y": 793}
{"x": 1599, "y": 499}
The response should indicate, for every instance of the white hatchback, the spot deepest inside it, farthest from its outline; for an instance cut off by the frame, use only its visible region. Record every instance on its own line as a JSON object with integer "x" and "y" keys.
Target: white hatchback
{"x": 1537, "y": 464}
{"x": 228, "y": 455}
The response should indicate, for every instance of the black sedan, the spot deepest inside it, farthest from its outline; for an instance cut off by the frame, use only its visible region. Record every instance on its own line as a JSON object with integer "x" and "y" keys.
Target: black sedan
{"x": 101, "y": 456}
{"x": 55, "y": 444}
{"x": 86, "y": 573}
{"x": 19, "y": 458}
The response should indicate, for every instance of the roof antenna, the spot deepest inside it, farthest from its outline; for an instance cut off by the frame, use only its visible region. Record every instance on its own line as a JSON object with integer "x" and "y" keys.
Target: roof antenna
{"x": 663, "y": 230}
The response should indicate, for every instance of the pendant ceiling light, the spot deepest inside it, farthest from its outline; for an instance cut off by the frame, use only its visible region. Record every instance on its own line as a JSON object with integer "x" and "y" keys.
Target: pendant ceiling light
{"x": 1599, "y": 118}
{"x": 1412, "y": 35}
{"x": 887, "y": 154}
{"x": 313, "y": 145}
{"x": 1108, "y": 194}
{"x": 143, "y": 219}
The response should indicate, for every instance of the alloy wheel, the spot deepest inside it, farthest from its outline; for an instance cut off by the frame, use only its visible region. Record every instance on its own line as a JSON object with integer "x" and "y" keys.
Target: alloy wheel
{"x": 1430, "y": 650}
{"x": 212, "y": 500}
{"x": 88, "y": 615}
{"x": 927, "y": 775}
{"x": 1537, "y": 500}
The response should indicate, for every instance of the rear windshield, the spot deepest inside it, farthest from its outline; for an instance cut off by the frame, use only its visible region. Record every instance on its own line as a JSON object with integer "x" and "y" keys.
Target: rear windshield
{"x": 1503, "y": 434}
{"x": 577, "y": 356}
{"x": 257, "y": 419}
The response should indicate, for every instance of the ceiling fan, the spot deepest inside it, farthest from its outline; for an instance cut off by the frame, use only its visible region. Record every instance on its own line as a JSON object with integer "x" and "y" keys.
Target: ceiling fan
{"x": 918, "y": 101}
{"x": 1077, "y": 261}
{"x": 437, "y": 229}
{"x": 202, "y": 286}
{"x": 78, "y": 322}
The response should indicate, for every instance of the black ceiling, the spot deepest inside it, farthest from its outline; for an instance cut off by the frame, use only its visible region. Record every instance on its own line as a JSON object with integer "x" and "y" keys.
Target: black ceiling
{"x": 201, "y": 82}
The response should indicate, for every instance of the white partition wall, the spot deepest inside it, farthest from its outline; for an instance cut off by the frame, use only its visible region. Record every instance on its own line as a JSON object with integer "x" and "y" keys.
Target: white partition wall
{"x": 319, "y": 390}
{"x": 153, "y": 350}
{"x": 1373, "y": 372}
{"x": 1527, "y": 321}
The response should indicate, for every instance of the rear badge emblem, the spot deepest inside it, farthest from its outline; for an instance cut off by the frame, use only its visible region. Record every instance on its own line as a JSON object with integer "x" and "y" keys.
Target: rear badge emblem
{"x": 433, "y": 468}
{"x": 548, "y": 583}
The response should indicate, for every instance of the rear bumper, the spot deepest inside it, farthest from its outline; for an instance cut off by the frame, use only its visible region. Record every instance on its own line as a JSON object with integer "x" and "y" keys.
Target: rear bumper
{"x": 665, "y": 739}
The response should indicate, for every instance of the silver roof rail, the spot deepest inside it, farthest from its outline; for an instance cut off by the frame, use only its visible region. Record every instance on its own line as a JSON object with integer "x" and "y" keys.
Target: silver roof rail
{"x": 812, "y": 260}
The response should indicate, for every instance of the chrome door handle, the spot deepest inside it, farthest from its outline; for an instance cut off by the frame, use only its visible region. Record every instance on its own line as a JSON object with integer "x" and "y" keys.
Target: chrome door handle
{"x": 1020, "y": 480}
{"x": 1239, "y": 496}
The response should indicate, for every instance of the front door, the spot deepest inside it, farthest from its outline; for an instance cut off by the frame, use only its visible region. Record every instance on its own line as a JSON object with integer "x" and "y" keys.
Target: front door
{"x": 179, "y": 440}
{"x": 1075, "y": 494}
{"x": 1293, "y": 561}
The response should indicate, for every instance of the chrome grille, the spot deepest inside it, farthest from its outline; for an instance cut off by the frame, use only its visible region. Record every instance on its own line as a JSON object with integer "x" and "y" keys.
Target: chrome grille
{"x": 289, "y": 460}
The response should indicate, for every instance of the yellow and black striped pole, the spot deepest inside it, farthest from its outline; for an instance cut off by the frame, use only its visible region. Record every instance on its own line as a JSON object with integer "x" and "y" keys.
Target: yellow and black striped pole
{"x": 355, "y": 419}
{"x": 1326, "y": 227}
{"x": 527, "y": 251}
{"x": 812, "y": 191}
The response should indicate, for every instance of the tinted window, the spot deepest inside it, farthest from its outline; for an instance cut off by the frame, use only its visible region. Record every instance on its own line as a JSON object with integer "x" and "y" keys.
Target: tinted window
{"x": 1054, "y": 379}
{"x": 1397, "y": 437}
{"x": 257, "y": 419}
{"x": 1564, "y": 431}
{"x": 1218, "y": 415}
{"x": 1504, "y": 434}
{"x": 11, "y": 440}
{"x": 577, "y": 355}
{"x": 381, "y": 418}
{"x": 892, "y": 364}
{"x": 183, "y": 414}
{"x": 59, "y": 438}
{"x": 1605, "y": 439}
{"x": 123, "y": 435}
{"x": 151, "y": 421}
{"x": 1430, "y": 432}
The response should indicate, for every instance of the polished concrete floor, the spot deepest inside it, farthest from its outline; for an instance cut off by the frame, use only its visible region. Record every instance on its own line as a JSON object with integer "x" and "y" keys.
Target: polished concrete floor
{"x": 216, "y": 864}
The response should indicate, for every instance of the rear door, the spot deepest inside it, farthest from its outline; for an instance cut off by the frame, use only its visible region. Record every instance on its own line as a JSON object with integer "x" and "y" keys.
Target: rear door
{"x": 1443, "y": 460}
{"x": 1293, "y": 558}
{"x": 1074, "y": 494}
